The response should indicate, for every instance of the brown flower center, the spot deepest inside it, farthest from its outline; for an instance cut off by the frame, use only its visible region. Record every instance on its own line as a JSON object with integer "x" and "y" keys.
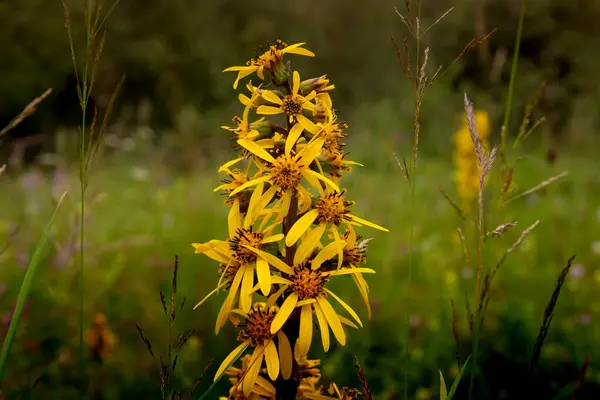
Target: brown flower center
{"x": 307, "y": 284}
{"x": 292, "y": 105}
{"x": 245, "y": 237}
{"x": 286, "y": 172}
{"x": 332, "y": 209}
{"x": 258, "y": 326}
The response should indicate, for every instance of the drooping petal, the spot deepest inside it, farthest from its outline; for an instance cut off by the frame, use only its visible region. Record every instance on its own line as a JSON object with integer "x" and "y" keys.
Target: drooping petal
{"x": 255, "y": 149}
{"x": 306, "y": 331}
{"x": 274, "y": 261}
{"x": 246, "y": 288}
{"x": 271, "y": 97}
{"x": 346, "y": 321}
{"x": 332, "y": 320}
{"x": 307, "y": 124}
{"x": 231, "y": 358}
{"x": 254, "y": 199}
{"x": 285, "y": 355}
{"x": 234, "y": 218}
{"x": 309, "y": 243}
{"x": 360, "y": 282}
{"x": 284, "y": 312}
{"x": 327, "y": 253}
{"x": 346, "y": 306}
{"x": 311, "y": 151}
{"x": 215, "y": 290}
{"x": 265, "y": 200}
{"x": 253, "y": 370}
{"x": 275, "y": 296}
{"x": 323, "y": 327}
{"x": 264, "y": 276}
{"x": 251, "y": 183}
{"x": 272, "y": 360}
{"x": 300, "y": 227}
{"x": 293, "y": 136}
{"x": 320, "y": 177}
{"x": 367, "y": 223}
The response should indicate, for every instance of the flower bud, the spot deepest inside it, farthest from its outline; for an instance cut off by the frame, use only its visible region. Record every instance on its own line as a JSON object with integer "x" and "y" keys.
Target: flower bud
{"x": 319, "y": 85}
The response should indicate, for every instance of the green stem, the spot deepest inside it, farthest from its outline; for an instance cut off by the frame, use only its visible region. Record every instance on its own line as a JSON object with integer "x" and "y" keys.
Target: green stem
{"x": 511, "y": 85}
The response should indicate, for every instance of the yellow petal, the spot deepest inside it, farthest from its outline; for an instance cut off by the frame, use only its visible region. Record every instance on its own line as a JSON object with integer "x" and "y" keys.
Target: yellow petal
{"x": 234, "y": 219}
{"x": 361, "y": 284}
{"x": 224, "y": 312}
{"x": 346, "y": 271}
{"x": 274, "y": 261}
{"x": 285, "y": 355}
{"x": 208, "y": 295}
{"x": 346, "y": 306}
{"x": 231, "y": 359}
{"x": 272, "y": 360}
{"x": 269, "y": 110}
{"x": 235, "y": 69}
{"x": 225, "y": 167}
{"x": 264, "y": 276}
{"x": 327, "y": 253}
{"x": 295, "y": 82}
{"x": 309, "y": 243}
{"x": 300, "y": 227}
{"x": 263, "y": 387}
{"x": 254, "y": 199}
{"x": 265, "y": 200}
{"x": 272, "y": 97}
{"x": 256, "y": 149}
{"x": 271, "y": 239}
{"x": 311, "y": 151}
{"x": 346, "y": 321}
{"x": 283, "y": 205}
{"x": 332, "y": 320}
{"x": 284, "y": 312}
{"x": 296, "y": 49}
{"x": 246, "y": 289}
{"x": 251, "y": 183}
{"x": 306, "y": 331}
{"x": 323, "y": 327}
{"x": 275, "y": 296}
{"x": 302, "y": 303}
{"x": 367, "y": 223}
{"x": 293, "y": 136}
{"x": 307, "y": 124}
{"x": 326, "y": 180}
{"x": 253, "y": 370}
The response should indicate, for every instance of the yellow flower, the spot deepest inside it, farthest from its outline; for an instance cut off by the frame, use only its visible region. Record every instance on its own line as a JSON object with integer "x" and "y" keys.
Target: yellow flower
{"x": 262, "y": 389}
{"x": 467, "y": 173}
{"x": 258, "y": 334}
{"x": 329, "y": 129}
{"x": 245, "y": 130}
{"x": 330, "y": 210}
{"x": 268, "y": 60}
{"x": 292, "y": 105}
{"x": 305, "y": 289}
{"x": 238, "y": 255}
{"x": 286, "y": 172}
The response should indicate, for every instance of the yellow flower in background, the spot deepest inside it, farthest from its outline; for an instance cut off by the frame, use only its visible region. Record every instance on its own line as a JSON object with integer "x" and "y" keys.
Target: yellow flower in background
{"x": 466, "y": 173}
{"x": 268, "y": 61}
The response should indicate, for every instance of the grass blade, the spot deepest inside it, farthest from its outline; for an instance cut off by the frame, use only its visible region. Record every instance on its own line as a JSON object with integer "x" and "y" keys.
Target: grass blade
{"x": 457, "y": 380}
{"x": 24, "y": 292}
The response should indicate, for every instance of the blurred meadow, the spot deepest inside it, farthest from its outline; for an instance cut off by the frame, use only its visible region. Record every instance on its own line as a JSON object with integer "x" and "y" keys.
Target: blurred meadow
{"x": 150, "y": 192}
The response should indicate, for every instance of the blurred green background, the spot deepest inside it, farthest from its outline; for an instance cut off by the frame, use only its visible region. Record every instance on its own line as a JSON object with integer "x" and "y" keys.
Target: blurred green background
{"x": 150, "y": 192}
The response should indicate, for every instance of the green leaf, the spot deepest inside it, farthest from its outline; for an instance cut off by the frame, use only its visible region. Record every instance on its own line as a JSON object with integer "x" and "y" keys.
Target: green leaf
{"x": 457, "y": 380}
{"x": 24, "y": 292}
{"x": 443, "y": 389}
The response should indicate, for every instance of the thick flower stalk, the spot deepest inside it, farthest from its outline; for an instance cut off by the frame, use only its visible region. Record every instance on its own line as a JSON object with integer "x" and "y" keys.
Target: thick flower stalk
{"x": 466, "y": 174}
{"x": 291, "y": 231}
